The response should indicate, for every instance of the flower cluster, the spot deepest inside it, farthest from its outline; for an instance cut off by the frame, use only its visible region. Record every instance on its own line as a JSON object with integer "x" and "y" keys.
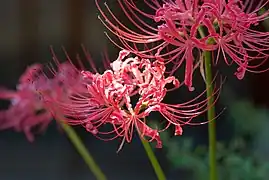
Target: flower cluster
{"x": 136, "y": 83}
{"x": 28, "y": 109}
{"x": 123, "y": 97}
{"x": 181, "y": 30}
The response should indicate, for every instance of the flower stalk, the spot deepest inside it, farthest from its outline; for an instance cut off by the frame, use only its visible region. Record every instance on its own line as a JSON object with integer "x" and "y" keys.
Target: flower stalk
{"x": 210, "y": 112}
{"x": 153, "y": 160}
{"x": 210, "y": 116}
{"x": 84, "y": 153}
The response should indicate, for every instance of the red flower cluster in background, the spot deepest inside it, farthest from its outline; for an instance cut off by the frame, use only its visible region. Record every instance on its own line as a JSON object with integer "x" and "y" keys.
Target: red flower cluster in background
{"x": 181, "y": 30}
{"x": 29, "y": 109}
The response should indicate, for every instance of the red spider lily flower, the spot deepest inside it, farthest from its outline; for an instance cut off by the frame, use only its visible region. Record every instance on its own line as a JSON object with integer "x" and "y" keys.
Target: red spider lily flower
{"x": 175, "y": 32}
{"x": 28, "y": 109}
{"x": 234, "y": 35}
{"x": 124, "y": 96}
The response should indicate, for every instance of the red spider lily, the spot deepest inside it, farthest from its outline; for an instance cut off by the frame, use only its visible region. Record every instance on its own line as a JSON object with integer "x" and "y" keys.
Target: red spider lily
{"x": 175, "y": 32}
{"x": 110, "y": 100}
{"x": 28, "y": 109}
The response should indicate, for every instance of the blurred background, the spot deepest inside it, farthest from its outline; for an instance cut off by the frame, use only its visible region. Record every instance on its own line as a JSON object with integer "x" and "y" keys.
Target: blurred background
{"x": 29, "y": 27}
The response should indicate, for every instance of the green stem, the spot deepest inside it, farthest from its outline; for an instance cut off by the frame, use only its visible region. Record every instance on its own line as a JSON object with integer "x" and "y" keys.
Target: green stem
{"x": 266, "y": 21}
{"x": 210, "y": 112}
{"x": 154, "y": 162}
{"x": 211, "y": 116}
{"x": 78, "y": 144}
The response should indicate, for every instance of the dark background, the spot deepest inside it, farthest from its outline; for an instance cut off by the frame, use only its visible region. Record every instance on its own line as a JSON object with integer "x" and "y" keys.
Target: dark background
{"x": 28, "y": 28}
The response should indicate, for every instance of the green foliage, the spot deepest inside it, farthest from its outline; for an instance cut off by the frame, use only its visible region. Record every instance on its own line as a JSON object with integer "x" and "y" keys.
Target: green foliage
{"x": 243, "y": 157}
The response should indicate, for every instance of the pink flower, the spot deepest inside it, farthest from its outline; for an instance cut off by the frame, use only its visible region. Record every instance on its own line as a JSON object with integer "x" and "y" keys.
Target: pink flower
{"x": 124, "y": 96}
{"x": 29, "y": 108}
{"x": 174, "y": 33}
{"x": 26, "y": 109}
